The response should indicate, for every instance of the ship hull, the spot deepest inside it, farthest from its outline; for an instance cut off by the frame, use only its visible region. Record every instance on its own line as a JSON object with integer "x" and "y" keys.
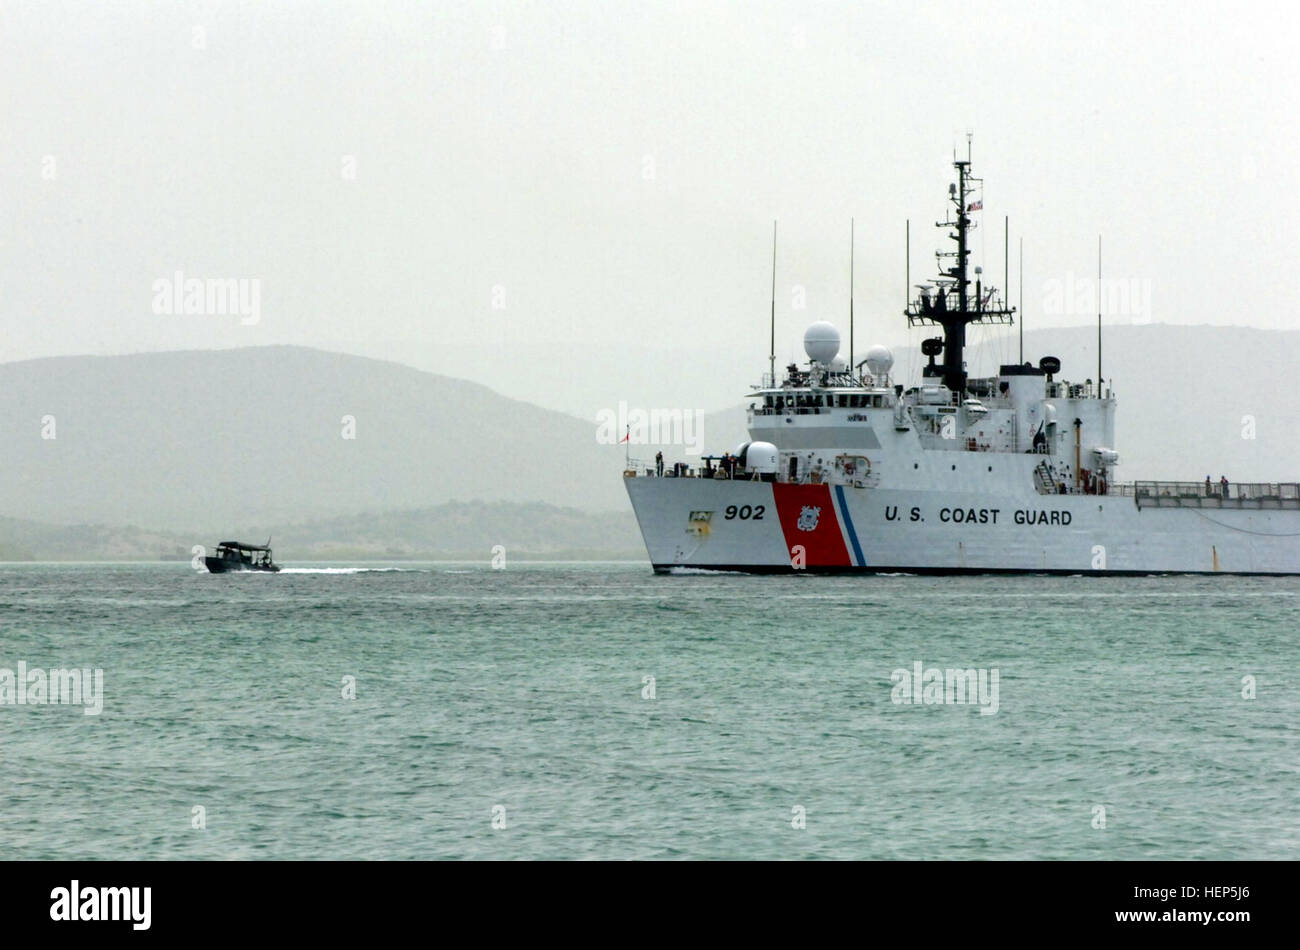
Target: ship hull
{"x": 217, "y": 565}
{"x": 767, "y": 527}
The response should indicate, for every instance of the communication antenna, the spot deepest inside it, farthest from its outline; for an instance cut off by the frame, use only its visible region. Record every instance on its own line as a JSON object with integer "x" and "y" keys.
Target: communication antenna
{"x": 1020, "y": 270}
{"x": 907, "y": 287}
{"x": 1006, "y": 258}
{"x": 1098, "y": 315}
{"x": 771, "y": 350}
{"x": 851, "y": 230}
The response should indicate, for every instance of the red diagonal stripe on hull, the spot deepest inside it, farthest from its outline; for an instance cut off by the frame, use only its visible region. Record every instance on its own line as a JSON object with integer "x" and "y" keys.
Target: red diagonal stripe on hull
{"x": 824, "y": 544}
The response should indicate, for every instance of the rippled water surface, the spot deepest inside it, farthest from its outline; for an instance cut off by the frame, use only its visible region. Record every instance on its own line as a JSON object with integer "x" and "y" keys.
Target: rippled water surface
{"x": 523, "y": 688}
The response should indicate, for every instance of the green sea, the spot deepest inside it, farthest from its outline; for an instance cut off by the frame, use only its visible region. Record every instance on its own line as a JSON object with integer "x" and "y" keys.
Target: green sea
{"x": 601, "y": 711}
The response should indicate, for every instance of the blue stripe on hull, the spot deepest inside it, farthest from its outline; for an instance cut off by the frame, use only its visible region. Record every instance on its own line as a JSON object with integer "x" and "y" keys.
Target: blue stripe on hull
{"x": 848, "y": 525}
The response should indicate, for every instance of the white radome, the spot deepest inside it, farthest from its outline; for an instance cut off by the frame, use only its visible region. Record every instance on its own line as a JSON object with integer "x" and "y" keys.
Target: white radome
{"x": 762, "y": 458}
{"x": 821, "y": 342}
{"x": 757, "y": 456}
{"x": 879, "y": 360}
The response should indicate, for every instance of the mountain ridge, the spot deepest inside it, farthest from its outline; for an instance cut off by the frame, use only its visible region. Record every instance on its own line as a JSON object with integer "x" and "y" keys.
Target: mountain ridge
{"x": 462, "y": 531}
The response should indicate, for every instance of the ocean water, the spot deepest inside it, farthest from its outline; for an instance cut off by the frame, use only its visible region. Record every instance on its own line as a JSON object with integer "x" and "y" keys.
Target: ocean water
{"x": 519, "y": 697}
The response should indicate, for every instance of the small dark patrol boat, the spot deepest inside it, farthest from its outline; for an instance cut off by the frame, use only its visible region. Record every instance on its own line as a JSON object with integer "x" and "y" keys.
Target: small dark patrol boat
{"x": 237, "y": 556}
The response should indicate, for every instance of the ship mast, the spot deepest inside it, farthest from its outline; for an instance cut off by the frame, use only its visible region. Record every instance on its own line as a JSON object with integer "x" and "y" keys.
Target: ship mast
{"x": 954, "y": 306}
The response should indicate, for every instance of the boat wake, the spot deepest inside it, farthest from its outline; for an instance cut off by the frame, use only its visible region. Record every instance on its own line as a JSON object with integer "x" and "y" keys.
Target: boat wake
{"x": 354, "y": 570}
{"x": 693, "y": 571}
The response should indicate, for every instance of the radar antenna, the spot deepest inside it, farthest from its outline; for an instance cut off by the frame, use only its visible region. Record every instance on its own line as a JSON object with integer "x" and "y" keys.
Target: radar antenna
{"x": 955, "y": 307}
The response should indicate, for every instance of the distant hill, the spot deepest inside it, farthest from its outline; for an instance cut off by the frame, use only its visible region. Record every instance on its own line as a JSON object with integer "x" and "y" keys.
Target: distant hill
{"x": 195, "y": 441}
{"x": 23, "y": 540}
{"x": 467, "y": 530}
{"x": 454, "y": 531}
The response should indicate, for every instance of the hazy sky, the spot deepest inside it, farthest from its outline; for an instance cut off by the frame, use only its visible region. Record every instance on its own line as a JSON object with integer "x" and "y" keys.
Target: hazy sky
{"x": 573, "y": 202}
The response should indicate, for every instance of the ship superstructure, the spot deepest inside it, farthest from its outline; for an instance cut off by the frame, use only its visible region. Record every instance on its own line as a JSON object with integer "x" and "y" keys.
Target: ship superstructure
{"x": 847, "y": 470}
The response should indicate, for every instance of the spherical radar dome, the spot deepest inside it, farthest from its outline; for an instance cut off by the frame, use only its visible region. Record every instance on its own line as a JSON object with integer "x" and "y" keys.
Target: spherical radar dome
{"x": 879, "y": 360}
{"x": 821, "y": 342}
{"x": 762, "y": 457}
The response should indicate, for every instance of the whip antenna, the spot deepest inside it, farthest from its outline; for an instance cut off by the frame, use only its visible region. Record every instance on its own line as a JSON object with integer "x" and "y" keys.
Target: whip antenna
{"x": 771, "y": 351}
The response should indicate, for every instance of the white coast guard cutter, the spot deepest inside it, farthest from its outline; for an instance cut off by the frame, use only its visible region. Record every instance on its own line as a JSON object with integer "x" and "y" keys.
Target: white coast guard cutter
{"x": 847, "y": 471}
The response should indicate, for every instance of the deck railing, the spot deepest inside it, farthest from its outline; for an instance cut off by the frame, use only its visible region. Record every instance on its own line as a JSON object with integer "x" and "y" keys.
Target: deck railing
{"x": 1213, "y": 494}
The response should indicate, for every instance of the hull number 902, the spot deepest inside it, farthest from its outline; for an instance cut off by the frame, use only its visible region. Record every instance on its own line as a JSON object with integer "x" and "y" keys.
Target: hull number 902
{"x": 745, "y": 512}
